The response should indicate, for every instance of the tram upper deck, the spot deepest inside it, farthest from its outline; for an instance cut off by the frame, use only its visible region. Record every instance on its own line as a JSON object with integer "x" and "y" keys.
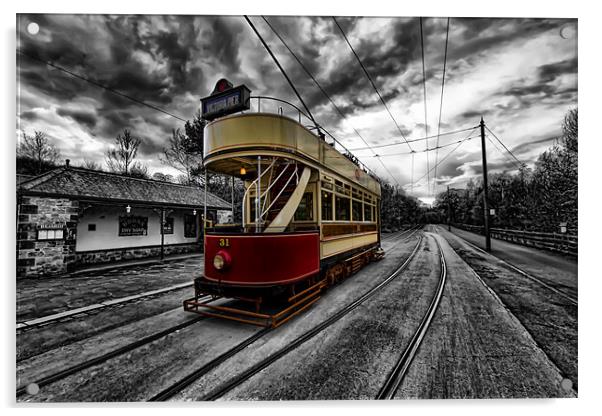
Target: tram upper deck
{"x": 233, "y": 143}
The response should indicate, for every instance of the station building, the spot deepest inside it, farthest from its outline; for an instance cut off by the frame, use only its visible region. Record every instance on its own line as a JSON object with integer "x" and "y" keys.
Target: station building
{"x": 71, "y": 217}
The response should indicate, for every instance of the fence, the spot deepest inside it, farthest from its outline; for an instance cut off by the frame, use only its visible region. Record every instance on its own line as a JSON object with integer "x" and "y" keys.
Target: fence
{"x": 560, "y": 243}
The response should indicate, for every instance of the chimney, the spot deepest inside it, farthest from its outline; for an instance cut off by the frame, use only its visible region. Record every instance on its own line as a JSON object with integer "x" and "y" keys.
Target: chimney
{"x": 67, "y": 163}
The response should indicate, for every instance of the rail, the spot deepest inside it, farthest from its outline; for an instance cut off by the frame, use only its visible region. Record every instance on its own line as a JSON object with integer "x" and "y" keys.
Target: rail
{"x": 556, "y": 242}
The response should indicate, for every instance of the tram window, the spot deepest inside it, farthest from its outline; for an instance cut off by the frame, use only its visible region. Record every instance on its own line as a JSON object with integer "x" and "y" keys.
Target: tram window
{"x": 357, "y": 210}
{"x": 373, "y": 216}
{"x": 367, "y": 212}
{"x": 342, "y": 208}
{"x": 326, "y": 185}
{"x": 326, "y": 206}
{"x": 305, "y": 210}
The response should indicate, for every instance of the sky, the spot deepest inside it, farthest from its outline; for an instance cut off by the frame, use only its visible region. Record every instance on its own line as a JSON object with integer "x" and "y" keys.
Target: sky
{"x": 520, "y": 75}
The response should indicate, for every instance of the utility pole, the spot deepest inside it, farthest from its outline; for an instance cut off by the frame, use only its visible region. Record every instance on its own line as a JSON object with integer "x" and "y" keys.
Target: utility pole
{"x": 485, "y": 187}
{"x": 448, "y": 211}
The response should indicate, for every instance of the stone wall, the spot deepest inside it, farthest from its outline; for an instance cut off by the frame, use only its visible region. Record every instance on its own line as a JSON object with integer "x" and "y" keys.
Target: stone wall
{"x": 49, "y": 257}
{"x": 131, "y": 253}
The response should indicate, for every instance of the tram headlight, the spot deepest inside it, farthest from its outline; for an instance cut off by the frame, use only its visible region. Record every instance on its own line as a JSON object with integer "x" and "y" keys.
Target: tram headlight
{"x": 221, "y": 260}
{"x": 218, "y": 262}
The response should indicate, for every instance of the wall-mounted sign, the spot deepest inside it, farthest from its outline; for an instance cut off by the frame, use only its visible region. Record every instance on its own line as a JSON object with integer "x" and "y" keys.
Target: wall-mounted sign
{"x": 225, "y": 100}
{"x": 131, "y": 225}
{"x": 168, "y": 226}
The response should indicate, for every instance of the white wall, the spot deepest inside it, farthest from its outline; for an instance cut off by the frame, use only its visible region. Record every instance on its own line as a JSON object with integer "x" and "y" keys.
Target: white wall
{"x": 107, "y": 236}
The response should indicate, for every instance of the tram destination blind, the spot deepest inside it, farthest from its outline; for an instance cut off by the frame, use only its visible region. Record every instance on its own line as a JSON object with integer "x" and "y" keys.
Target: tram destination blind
{"x": 227, "y": 102}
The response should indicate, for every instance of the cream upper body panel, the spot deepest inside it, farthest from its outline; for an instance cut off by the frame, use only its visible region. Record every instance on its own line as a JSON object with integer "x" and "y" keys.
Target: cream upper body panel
{"x": 243, "y": 135}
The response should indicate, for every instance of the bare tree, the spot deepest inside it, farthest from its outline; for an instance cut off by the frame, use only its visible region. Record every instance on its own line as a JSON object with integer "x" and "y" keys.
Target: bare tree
{"x": 121, "y": 158}
{"x": 38, "y": 148}
{"x": 180, "y": 155}
{"x": 90, "y": 164}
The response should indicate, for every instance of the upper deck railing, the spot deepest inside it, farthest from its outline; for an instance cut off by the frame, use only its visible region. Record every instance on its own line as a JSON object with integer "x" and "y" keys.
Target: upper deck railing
{"x": 265, "y": 104}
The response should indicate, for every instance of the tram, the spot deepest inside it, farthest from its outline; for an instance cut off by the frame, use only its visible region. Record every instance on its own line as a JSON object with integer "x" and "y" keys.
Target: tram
{"x": 310, "y": 217}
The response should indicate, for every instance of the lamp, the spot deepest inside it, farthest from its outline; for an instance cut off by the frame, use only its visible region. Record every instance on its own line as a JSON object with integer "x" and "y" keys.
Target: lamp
{"x": 128, "y": 209}
{"x": 194, "y": 212}
{"x": 243, "y": 171}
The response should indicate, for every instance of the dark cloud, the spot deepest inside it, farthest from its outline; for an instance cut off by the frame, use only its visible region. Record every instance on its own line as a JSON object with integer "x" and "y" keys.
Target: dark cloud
{"x": 86, "y": 118}
{"x": 549, "y": 72}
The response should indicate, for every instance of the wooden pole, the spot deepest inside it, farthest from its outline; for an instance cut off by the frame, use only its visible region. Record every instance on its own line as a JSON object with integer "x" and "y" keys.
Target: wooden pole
{"x": 448, "y": 211}
{"x": 485, "y": 188}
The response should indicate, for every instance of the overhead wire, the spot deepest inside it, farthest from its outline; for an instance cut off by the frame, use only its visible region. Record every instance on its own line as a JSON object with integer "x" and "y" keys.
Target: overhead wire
{"x": 98, "y": 84}
{"x": 371, "y": 81}
{"x": 448, "y": 154}
{"x": 508, "y": 150}
{"x": 308, "y": 72}
{"x": 415, "y": 140}
{"x": 502, "y": 153}
{"x": 280, "y": 67}
{"x": 441, "y": 102}
{"x": 426, "y": 128}
{"x": 428, "y": 149}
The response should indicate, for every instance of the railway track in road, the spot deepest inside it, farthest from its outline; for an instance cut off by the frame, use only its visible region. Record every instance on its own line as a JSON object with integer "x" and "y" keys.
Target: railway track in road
{"x": 22, "y": 390}
{"x": 303, "y": 338}
{"x": 44, "y": 381}
{"x": 523, "y": 273}
{"x": 397, "y": 374}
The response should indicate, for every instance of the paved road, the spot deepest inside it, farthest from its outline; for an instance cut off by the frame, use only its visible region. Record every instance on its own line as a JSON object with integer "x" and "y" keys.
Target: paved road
{"x": 42, "y": 297}
{"x": 543, "y": 264}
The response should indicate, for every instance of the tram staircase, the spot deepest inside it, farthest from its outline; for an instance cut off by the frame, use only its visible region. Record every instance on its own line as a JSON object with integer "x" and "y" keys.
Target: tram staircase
{"x": 289, "y": 170}
{"x": 285, "y": 195}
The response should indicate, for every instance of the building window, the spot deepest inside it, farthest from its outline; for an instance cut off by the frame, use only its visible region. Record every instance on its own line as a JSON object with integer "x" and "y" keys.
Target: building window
{"x": 357, "y": 210}
{"x": 342, "y": 208}
{"x": 131, "y": 225}
{"x": 91, "y": 227}
{"x": 190, "y": 230}
{"x": 305, "y": 210}
{"x": 168, "y": 226}
{"x": 326, "y": 206}
{"x": 50, "y": 234}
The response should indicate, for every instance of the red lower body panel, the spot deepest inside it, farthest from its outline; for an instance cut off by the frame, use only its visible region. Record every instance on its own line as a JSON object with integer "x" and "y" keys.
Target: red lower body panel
{"x": 262, "y": 260}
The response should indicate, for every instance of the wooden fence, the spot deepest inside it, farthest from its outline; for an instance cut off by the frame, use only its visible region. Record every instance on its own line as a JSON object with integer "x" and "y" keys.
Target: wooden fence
{"x": 560, "y": 243}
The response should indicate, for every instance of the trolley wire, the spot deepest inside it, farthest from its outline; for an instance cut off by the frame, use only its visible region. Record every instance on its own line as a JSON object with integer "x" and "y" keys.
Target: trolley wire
{"x": 441, "y": 102}
{"x": 308, "y": 72}
{"x": 371, "y": 81}
{"x": 508, "y": 150}
{"x": 427, "y": 149}
{"x": 98, "y": 84}
{"x": 447, "y": 155}
{"x": 426, "y": 128}
{"x": 280, "y": 67}
{"x": 503, "y": 154}
{"x": 415, "y": 140}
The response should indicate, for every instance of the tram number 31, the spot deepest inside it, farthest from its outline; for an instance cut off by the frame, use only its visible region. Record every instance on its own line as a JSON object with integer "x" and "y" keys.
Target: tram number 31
{"x": 224, "y": 242}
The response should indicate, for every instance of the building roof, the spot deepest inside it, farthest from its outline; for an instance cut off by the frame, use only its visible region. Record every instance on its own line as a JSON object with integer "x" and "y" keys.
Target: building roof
{"x": 22, "y": 178}
{"x": 86, "y": 184}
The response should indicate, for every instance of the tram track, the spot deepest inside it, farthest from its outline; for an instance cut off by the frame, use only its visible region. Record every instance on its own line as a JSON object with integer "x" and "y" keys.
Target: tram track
{"x": 172, "y": 390}
{"x": 300, "y": 340}
{"x": 397, "y": 374}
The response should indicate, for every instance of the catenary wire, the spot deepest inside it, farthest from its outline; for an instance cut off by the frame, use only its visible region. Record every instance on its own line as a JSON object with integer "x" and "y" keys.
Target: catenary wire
{"x": 308, "y": 72}
{"x": 441, "y": 102}
{"x": 75, "y": 75}
{"x": 371, "y": 81}
{"x": 428, "y": 149}
{"x": 426, "y": 128}
{"x": 508, "y": 150}
{"x": 414, "y": 140}
{"x": 280, "y": 67}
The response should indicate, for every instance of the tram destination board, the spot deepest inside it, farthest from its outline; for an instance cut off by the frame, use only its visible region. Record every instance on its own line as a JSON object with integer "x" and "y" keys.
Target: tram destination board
{"x": 227, "y": 102}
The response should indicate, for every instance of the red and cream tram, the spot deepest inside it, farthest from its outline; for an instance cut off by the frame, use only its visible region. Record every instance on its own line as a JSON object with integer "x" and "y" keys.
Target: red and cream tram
{"x": 310, "y": 217}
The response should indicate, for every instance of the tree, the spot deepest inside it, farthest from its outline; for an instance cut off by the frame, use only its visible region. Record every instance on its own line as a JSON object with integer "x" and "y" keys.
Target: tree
{"x": 39, "y": 149}
{"x": 158, "y": 176}
{"x": 181, "y": 154}
{"x": 570, "y": 131}
{"x": 90, "y": 164}
{"x": 121, "y": 159}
